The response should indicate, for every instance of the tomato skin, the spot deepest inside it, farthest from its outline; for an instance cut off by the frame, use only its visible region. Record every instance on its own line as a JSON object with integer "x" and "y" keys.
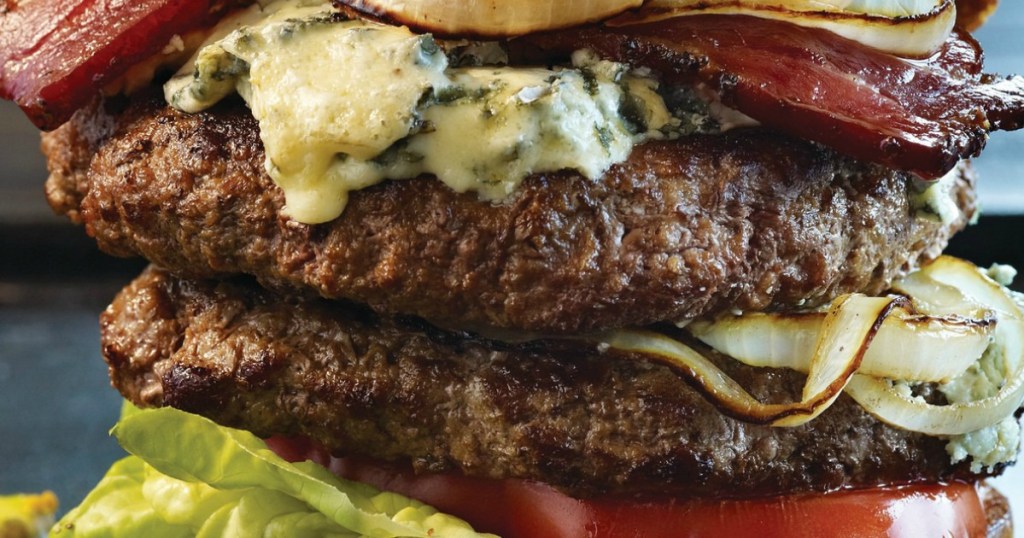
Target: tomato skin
{"x": 521, "y": 509}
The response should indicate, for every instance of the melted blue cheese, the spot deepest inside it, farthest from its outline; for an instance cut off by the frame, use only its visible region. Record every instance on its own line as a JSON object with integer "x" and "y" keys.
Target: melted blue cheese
{"x": 993, "y": 445}
{"x": 936, "y": 201}
{"x": 343, "y": 105}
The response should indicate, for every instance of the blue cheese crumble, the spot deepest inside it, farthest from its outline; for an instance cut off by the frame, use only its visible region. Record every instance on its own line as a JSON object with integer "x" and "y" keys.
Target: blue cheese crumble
{"x": 346, "y": 104}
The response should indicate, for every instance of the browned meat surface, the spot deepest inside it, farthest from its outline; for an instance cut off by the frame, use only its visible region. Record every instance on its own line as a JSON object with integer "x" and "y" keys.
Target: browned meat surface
{"x": 558, "y": 412}
{"x": 748, "y": 220}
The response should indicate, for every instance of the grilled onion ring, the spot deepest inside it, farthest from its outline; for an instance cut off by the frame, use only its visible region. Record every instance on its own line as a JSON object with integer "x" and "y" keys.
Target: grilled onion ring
{"x": 881, "y": 25}
{"x": 946, "y": 281}
{"x": 909, "y": 346}
{"x": 947, "y": 287}
{"x": 847, "y": 331}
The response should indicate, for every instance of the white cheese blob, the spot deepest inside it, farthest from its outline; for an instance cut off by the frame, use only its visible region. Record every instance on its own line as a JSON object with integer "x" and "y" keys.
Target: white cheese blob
{"x": 343, "y": 105}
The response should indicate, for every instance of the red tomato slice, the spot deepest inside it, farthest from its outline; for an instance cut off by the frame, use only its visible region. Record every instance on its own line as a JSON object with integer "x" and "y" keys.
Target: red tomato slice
{"x": 521, "y": 509}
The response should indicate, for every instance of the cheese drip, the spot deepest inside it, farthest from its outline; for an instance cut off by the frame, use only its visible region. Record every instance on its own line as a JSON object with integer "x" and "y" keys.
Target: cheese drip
{"x": 343, "y": 105}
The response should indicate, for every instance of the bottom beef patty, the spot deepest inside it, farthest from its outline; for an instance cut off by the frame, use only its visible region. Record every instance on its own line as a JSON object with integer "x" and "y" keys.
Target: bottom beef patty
{"x": 589, "y": 422}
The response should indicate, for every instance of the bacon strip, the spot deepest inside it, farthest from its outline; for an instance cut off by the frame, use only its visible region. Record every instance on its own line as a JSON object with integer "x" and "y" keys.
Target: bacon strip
{"x": 56, "y": 54}
{"x": 921, "y": 116}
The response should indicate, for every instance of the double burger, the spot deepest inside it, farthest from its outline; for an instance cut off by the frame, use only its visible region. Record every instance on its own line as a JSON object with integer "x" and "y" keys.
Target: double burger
{"x": 596, "y": 268}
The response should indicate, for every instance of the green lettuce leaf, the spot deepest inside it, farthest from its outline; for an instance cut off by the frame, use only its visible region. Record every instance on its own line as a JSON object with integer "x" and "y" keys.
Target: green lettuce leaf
{"x": 188, "y": 476}
{"x": 116, "y": 508}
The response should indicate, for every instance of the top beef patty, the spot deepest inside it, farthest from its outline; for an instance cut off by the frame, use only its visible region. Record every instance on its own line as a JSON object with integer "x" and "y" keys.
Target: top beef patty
{"x": 747, "y": 220}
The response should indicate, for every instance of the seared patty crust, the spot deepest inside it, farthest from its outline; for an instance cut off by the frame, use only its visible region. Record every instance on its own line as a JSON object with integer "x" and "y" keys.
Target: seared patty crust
{"x": 748, "y": 220}
{"x": 561, "y": 412}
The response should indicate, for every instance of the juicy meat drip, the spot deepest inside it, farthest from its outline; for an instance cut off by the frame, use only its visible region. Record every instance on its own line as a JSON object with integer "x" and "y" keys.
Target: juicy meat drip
{"x": 57, "y": 54}
{"x": 921, "y": 116}
{"x": 748, "y": 220}
{"x": 559, "y": 412}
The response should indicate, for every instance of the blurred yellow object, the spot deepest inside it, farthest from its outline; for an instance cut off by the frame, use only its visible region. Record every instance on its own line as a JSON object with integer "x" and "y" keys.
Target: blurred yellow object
{"x": 27, "y": 516}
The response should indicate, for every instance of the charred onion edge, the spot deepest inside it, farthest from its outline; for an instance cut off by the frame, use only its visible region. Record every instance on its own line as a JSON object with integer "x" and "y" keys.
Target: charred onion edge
{"x": 719, "y": 333}
{"x": 734, "y": 401}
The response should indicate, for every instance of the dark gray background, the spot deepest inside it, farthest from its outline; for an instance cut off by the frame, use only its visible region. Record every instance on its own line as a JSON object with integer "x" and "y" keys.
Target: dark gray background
{"x": 55, "y": 400}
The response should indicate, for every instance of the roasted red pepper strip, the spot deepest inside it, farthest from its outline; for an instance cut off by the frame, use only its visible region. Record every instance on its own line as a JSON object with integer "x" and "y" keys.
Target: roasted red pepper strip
{"x": 56, "y": 54}
{"x": 922, "y": 116}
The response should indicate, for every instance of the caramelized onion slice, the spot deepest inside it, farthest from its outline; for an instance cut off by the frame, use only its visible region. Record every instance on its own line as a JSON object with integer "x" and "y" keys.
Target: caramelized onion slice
{"x": 973, "y": 287}
{"x": 963, "y": 305}
{"x": 910, "y": 29}
{"x": 897, "y": 408}
{"x": 908, "y": 346}
{"x": 846, "y": 333}
{"x": 945, "y": 282}
{"x": 491, "y": 18}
